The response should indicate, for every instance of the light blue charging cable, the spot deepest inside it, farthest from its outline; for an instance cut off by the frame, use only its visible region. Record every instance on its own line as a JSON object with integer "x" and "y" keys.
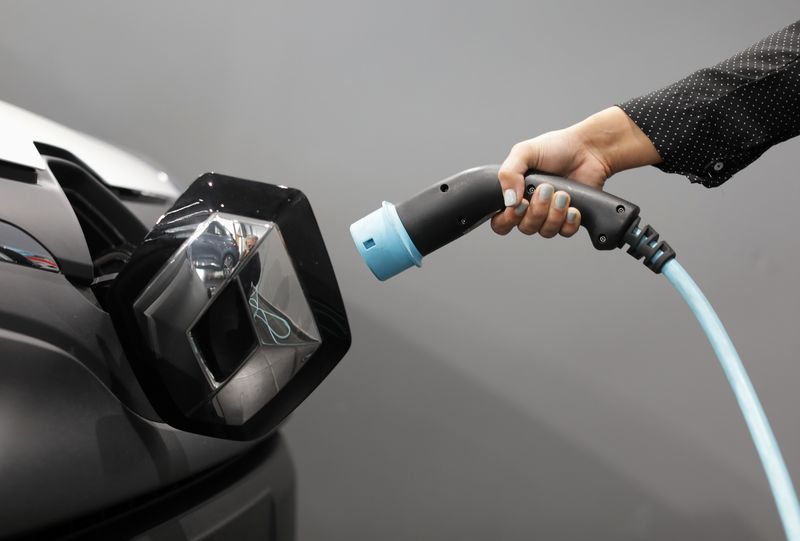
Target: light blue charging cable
{"x": 387, "y": 247}
{"x": 778, "y": 476}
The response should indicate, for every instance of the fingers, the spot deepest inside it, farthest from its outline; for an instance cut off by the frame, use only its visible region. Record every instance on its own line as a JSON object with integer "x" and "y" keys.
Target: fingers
{"x": 504, "y": 222}
{"x": 523, "y": 156}
{"x": 549, "y": 214}
{"x": 538, "y": 210}
{"x": 572, "y": 223}
{"x": 556, "y": 216}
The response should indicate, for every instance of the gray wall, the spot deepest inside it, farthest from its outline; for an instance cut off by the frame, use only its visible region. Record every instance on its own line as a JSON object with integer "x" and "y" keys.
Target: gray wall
{"x": 513, "y": 387}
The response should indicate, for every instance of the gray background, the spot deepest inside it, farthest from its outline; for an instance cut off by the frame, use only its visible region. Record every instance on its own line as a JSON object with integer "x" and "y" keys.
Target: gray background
{"x": 513, "y": 387}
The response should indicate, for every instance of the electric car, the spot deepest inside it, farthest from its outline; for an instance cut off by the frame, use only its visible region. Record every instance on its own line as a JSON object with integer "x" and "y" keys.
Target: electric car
{"x": 149, "y": 354}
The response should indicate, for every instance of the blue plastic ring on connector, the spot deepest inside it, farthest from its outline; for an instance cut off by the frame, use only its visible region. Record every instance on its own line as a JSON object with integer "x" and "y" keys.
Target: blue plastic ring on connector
{"x": 383, "y": 242}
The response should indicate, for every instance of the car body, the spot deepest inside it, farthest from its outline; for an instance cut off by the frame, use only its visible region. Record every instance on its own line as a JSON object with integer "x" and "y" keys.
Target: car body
{"x": 83, "y": 451}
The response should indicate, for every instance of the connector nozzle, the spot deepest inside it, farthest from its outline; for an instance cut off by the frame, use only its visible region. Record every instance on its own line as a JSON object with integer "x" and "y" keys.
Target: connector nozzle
{"x": 384, "y": 243}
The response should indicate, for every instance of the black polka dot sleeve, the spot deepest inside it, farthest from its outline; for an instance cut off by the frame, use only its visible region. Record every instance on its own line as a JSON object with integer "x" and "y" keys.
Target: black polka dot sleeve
{"x": 718, "y": 120}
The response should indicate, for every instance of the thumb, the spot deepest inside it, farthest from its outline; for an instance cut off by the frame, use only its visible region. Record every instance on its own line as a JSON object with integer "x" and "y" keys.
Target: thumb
{"x": 523, "y": 156}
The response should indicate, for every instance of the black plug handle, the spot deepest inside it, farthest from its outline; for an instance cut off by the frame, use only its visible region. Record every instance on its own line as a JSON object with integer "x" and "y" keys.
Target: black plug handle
{"x": 454, "y": 206}
{"x": 605, "y": 216}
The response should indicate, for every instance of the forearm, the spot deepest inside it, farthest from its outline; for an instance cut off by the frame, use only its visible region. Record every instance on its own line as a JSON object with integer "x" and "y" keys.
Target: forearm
{"x": 718, "y": 120}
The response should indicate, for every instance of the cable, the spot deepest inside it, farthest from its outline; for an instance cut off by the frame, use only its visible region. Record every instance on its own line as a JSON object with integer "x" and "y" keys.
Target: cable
{"x": 767, "y": 447}
{"x": 449, "y": 209}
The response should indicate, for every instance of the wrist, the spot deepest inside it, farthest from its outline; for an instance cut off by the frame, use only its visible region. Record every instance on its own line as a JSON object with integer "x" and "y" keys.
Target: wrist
{"x": 616, "y": 141}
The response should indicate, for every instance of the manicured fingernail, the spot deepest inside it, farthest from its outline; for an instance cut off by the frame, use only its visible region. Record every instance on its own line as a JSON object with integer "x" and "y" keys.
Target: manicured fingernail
{"x": 545, "y": 192}
{"x": 520, "y": 210}
{"x": 510, "y": 197}
{"x": 561, "y": 200}
{"x": 572, "y": 215}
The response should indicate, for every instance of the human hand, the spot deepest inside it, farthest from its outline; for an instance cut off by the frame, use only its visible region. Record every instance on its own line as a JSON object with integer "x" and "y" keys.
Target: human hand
{"x": 588, "y": 152}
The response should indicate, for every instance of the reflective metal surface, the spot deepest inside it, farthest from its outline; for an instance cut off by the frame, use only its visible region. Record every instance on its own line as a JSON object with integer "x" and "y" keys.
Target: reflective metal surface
{"x": 18, "y": 247}
{"x": 230, "y": 311}
{"x": 249, "y": 258}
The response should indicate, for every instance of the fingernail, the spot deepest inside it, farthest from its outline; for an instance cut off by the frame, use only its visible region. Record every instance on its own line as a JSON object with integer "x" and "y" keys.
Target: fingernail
{"x": 510, "y": 197}
{"x": 545, "y": 192}
{"x": 572, "y": 215}
{"x": 520, "y": 210}
{"x": 561, "y": 200}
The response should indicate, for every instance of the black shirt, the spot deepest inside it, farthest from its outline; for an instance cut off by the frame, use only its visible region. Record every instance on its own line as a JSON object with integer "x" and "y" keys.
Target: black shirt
{"x": 718, "y": 120}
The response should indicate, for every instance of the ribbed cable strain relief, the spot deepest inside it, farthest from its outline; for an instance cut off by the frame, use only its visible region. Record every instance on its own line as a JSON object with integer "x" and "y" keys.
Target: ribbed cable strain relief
{"x": 644, "y": 243}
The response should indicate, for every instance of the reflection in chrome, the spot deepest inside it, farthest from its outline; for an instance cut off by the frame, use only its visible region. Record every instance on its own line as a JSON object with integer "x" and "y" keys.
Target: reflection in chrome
{"x": 261, "y": 333}
{"x": 263, "y": 316}
{"x": 215, "y": 248}
{"x": 18, "y": 247}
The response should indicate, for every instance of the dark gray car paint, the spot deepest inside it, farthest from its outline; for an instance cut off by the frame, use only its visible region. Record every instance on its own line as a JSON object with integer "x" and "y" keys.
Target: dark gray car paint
{"x": 70, "y": 447}
{"x": 46, "y": 306}
{"x": 259, "y": 506}
{"x": 77, "y": 434}
{"x": 43, "y": 211}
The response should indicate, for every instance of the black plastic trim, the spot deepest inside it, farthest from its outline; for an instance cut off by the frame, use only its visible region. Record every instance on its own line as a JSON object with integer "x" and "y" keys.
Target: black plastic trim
{"x": 127, "y": 194}
{"x": 451, "y": 208}
{"x": 111, "y": 230}
{"x": 447, "y": 210}
{"x": 605, "y": 216}
{"x": 15, "y": 171}
{"x": 137, "y": 516}
{"x": 644, "y": 243}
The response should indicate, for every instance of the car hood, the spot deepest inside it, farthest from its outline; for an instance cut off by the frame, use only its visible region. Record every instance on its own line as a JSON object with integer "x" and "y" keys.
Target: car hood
{"x": 20, "y": 129}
